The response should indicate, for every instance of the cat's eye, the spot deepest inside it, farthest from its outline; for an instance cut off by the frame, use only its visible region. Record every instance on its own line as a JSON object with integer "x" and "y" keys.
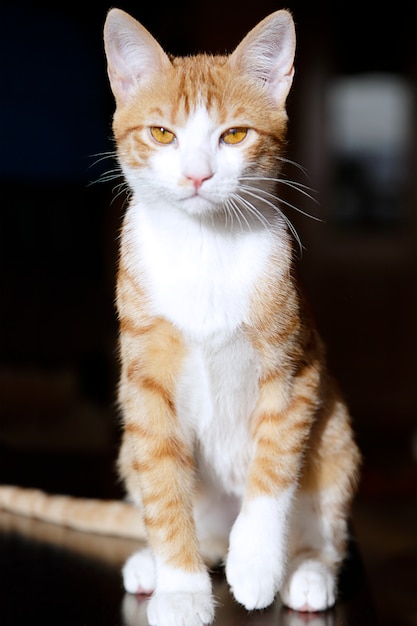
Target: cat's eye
{"x": 234, "y": 135}
{"x": 162, "y": 135}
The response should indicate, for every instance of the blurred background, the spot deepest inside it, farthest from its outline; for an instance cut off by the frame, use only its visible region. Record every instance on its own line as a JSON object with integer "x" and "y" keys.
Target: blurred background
{"x": 353, "y": 127}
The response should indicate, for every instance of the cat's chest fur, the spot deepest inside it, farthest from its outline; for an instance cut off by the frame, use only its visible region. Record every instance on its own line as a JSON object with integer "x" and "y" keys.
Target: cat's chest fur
{"x": 199, "y": 277}
{"x": 203, "y": 281}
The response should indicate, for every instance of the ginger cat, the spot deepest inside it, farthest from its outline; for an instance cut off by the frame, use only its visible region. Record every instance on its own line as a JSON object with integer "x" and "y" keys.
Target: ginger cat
{"x": 237, "y": 446}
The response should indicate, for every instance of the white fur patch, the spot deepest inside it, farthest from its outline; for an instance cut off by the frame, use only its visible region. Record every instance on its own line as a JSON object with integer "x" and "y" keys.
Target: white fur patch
{"x": 181, "y": 598}
{"x": 180, "y": 609}
{"x": 139, "y": 575}
{"x": 199, "y": 277}
{"x": 256, "y": 561}
{"x": 309, "y": 586}
{"x": 216, "y": 395}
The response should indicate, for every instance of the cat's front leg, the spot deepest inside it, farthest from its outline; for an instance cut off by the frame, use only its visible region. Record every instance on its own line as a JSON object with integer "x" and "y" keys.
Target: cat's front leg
{"x": 255, "y": 566}
{"x": 158, "y": 466}
{"x": 182, "y": 588}
{"x": 281, "y": 422}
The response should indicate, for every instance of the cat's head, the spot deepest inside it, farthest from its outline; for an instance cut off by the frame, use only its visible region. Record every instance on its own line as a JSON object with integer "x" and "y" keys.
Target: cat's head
{"x": 195, "y": 132}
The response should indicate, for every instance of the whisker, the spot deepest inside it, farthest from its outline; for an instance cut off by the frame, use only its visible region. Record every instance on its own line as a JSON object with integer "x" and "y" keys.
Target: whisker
{"x": 234, "y": 212}
{"x": 107, "y": 177}
{"x": 237, "y": 212}
{"x": 289, "y": 183}
{"x": 110, "y": 174}
{"x": 227, "y": 213}
{"x": 122, "y": 188}
{"x": 295, "y": 164}
{"x": 276, "y": 208}
{"x": 253, "y": 210}
{"x": 300, "y": 188}
{"x": 111, "y": 154}
{"x": 285, "y": 181}
{"x": 279, "y": 199}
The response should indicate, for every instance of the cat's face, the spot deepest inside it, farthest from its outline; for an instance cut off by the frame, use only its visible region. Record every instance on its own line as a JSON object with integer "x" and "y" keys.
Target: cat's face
{"x": 194, "y": 132}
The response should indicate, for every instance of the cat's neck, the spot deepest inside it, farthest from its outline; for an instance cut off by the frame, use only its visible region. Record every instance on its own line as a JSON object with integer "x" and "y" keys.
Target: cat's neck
{"x": 200, "y": 273}
{"x": 161, "y": 216}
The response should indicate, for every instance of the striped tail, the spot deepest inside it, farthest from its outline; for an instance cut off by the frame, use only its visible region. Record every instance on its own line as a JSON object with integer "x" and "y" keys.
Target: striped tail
{"x": 104, "y": 517}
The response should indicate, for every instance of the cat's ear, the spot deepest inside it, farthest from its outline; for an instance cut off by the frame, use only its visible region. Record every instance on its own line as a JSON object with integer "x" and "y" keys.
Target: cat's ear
{"x": 132, "y": 54}
{"x": 267, "y": 54}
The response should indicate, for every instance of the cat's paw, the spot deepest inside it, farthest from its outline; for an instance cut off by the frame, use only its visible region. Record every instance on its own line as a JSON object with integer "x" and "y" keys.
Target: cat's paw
{"x": 253, "y": 569}
{"x": 252, "y": 581}
{"x": 256, "y": 559}
{"x": 181, "y": 609}
{"x": 309, "y": 586}
{"x": 139, "y": 574}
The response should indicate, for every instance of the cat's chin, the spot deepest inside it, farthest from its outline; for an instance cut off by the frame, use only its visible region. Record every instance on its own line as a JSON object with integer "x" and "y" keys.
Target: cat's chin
{"x": 197, "y": 206}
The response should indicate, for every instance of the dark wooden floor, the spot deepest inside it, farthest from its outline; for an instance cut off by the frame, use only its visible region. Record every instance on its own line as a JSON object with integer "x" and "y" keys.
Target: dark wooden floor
{"x": 52, "y": 575}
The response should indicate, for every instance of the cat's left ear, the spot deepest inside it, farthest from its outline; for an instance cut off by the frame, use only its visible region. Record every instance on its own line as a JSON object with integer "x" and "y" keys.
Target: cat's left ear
{"x": 267, "y": 54}
{"x": 133, "y": 55}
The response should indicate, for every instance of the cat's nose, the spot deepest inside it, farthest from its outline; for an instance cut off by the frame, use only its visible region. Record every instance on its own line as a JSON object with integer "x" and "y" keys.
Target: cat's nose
{"x": 198, "y": 179}
{"x": 197, "y": 167}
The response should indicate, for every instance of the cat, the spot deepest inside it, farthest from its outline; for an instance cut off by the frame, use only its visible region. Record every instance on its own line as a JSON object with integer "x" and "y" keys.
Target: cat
{"x": 237, "y": 446}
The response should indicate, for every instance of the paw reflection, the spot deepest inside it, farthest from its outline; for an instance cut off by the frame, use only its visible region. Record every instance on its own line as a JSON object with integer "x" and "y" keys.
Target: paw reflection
{"x": 134, "y": 610}
{"x": 295, "y": 618}
{"x": 229, "y": 613}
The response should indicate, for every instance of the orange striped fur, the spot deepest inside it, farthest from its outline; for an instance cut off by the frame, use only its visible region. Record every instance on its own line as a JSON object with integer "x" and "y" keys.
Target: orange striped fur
{"x": 227, "y": 404}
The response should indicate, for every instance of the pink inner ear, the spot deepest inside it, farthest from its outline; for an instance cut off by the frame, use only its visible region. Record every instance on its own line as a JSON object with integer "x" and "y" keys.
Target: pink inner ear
{"x": 132, "y": 53}
{"x": 267, "y": 54}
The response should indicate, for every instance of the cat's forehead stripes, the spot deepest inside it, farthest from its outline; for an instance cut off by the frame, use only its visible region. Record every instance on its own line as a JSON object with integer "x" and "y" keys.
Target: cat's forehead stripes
{"x": 199, "y": 80}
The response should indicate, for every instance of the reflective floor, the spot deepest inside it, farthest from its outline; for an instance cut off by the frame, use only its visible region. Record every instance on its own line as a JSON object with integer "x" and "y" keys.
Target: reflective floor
{"x": 53, "y": 575}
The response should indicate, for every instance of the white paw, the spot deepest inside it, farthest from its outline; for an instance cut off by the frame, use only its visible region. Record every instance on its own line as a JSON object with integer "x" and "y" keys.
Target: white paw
{"x": 257, "y": 550}
{"x": 254, "y": 566}
{"x": 139, "y": 573}
{"x": 251, "y": 585}
{"x": 309, "y": 586}
{"x": 181, "y": 609}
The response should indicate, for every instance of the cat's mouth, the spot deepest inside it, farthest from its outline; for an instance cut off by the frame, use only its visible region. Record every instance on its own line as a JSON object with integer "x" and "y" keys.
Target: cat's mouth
{"x": 198, "y": 203}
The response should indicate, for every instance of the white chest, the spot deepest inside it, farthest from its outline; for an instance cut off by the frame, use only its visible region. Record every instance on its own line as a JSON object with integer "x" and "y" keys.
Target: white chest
{"x": 199, "y": 278}
{"x": 202, "y": 280}
{"x": 216, "y": 395}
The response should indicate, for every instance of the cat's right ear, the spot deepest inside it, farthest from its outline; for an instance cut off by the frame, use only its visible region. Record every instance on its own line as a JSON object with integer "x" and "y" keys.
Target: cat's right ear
{"x": 266, "y": 54}
{"x": 133, "y": 55}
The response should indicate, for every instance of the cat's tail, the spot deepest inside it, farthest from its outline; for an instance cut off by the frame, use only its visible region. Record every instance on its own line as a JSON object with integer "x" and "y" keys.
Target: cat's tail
{"x": 104, "y": 517}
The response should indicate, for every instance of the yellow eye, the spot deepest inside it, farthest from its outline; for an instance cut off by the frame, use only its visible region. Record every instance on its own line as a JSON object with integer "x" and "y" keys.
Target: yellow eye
{"x": 234, "y": 135}
{"x": 162, "y": 135}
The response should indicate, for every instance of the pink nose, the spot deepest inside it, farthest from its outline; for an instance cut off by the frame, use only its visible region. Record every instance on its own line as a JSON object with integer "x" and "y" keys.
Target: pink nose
{"x": 198, "y": 180}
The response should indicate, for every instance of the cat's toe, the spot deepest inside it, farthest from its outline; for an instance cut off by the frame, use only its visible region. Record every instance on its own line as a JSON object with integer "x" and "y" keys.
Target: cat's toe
{"x": 252, "y": 592}
{"x": 253, "y": 583}
{"x": 181, "y": 609}
{"x": 310, "y": 586}
{"x": 139, "y": 573}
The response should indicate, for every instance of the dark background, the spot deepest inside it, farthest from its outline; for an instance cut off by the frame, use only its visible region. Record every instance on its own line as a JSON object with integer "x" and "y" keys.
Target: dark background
{"x": 58, "y": 241}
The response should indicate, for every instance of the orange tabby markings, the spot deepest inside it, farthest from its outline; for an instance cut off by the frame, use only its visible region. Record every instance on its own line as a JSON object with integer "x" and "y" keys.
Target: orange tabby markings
{"x": 224, "y": 385}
